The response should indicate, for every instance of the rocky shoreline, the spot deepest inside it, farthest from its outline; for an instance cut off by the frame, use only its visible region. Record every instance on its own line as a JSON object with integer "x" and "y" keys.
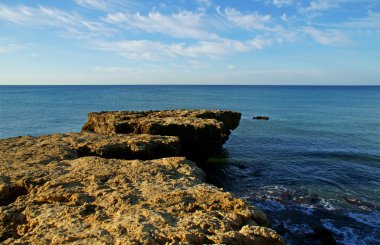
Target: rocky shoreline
{"x": 125, "y": 179}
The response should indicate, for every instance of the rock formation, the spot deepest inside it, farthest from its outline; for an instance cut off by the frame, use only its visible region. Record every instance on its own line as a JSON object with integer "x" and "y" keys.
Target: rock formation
{"x": 260, "y": 118}
{"x": 81, "y": 188}
{"x": 201, "y": 132}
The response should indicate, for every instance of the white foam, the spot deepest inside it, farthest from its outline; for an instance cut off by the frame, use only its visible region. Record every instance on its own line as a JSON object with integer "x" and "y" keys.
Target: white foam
{"x": 271, "y": 206}
{"x": 349, "y": 236}
{"x": 297, "y": 229}
{"x": 307, "y": 210}
{"x": 327, "y": 205}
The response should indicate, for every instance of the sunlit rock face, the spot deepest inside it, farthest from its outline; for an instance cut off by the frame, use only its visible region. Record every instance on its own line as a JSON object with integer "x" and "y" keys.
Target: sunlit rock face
{"x": 201, "y": 132}
{"x": 92, "y": 200}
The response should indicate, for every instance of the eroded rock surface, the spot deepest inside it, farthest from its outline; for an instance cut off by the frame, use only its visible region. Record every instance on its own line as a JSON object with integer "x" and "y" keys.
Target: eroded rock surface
{"x": 201, "y": 132}
{"x": 97, "y": 200}
{"x": 28, "y": 161}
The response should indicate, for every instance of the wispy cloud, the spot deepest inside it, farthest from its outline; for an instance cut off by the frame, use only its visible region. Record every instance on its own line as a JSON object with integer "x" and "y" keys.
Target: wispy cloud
{"x": 154, "y": 50}
{"x": 65, "y": 22}
{"x": 371, "y": 21}
{"x": 183, "y": 33}
{"x": 320, "y": 5}
{"x": 249, "y": 21}
{"x": 317, "y": 7}
{"x": 205, "y": 3}
{"x": 183, "y": 24}
{"x": 281, "y": 3}
{"x": 327, "y": 37}
{"x": 4, "y": 49}
{"x": 96, "y": 4}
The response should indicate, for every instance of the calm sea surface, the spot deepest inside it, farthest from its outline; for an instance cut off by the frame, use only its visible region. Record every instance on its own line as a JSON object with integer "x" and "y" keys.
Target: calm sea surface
{"x": 314, "y": 166}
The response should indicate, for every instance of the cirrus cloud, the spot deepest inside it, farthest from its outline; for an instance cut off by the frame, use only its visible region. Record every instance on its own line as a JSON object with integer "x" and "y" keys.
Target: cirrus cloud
{"x": 183, "y": 24}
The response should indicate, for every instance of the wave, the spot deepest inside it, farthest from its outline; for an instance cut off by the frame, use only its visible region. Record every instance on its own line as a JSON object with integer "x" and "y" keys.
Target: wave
{"x": 348, "y": 235}
{"x": 371, "y": 218}
{"x": 292, "y": 197}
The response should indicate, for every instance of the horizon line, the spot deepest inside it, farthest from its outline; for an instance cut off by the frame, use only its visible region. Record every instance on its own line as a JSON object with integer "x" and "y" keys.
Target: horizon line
{"x": 196, "y": 84}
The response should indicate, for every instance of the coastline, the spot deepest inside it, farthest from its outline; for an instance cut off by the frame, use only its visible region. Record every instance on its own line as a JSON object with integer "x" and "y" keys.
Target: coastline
{"x": 75, "y": 187}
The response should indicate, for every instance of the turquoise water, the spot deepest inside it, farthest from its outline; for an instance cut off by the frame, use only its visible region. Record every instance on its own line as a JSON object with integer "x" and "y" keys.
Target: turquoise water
{"x": 315, "y": 165}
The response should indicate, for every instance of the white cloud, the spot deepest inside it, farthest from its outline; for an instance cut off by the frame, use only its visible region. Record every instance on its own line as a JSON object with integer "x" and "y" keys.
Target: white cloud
{"x": 184, "y": 24}
{"x": 319, "y": 5}
{"x": 248, "y": 21}
{"x": 71, "y": 24}
{"x": 137, "y": 49}
{"x": 284, "y": 17}
{"x": 206, "y": 3}
{"x": 327, "y": 37}
{"x": 108, "y": 5}
{"x": 315, "y": 8}
{"x": 156, "y": 51}
{"x": 281, "y": 3}
{"x": 96, "y": 4}
{"x": 371, "y": 21}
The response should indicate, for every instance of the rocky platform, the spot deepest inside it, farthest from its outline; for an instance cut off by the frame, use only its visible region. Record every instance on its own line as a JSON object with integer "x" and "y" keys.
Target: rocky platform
{"x": 80, "y": 188}
{"x": 201, "y": 132}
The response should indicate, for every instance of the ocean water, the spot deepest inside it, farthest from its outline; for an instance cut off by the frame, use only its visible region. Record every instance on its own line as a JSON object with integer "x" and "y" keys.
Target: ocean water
{"x": 314, "y": 167}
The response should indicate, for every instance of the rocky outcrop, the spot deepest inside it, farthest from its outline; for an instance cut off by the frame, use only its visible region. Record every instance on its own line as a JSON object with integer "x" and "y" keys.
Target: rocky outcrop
{"x": 201, "y": 132}
{"x": 28, "y": 161}
{"x": 97, "y": 200}
{"x": 84, "y": 188}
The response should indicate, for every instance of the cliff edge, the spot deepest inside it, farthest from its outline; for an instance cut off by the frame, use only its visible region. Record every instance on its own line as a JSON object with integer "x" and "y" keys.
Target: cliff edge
{"x": 201, "y": 132}
{"x": 90, "y": 188}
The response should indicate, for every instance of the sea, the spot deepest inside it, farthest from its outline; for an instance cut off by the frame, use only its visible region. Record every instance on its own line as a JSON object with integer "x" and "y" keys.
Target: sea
{"x": 313, "y": 167}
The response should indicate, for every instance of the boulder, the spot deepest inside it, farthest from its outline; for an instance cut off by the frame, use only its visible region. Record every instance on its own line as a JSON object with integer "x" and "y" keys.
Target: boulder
{"x": 201, "y": 132}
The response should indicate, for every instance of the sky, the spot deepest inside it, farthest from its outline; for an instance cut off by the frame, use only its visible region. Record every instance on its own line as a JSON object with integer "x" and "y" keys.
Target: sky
{"x": 268, "y": 42}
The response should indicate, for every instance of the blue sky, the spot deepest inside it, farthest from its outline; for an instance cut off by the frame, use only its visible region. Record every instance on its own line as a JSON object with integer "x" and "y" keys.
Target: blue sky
{"x": 190, "y": 42}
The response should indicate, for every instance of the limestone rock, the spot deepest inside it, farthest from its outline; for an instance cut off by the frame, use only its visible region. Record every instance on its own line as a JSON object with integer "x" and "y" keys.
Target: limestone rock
{"x": 201, "y": 132}
{"x": 27, "y": 161}
{"x": 97, "y": 200}
{"x": 81, "y": 188}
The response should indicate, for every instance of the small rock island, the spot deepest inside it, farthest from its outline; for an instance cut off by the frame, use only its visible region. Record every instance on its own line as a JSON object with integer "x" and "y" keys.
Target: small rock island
{"x": 127, "y": 178}
{"x": 260, "y": 118}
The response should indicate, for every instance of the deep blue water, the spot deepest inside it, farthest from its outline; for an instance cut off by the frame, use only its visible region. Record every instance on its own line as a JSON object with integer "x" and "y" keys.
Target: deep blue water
{"x": 314, "y": 164}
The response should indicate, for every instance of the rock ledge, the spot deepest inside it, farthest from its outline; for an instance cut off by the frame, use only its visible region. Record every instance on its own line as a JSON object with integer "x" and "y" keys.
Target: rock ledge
{"x": 201, "y": 132}
{"x": 89, "y": 188}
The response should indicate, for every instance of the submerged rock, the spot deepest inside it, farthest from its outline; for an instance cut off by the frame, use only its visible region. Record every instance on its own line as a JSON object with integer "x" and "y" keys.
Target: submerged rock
{"x": 201, "y": 132}
{"x": 323, "y": 235}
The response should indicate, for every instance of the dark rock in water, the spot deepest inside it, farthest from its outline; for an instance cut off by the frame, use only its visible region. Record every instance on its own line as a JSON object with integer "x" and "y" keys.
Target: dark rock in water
{"x": 358, "y": 203}
{"x": 201, "y": 132}
{"x": 324, "y": 235}
{"x": 308, "y": 199}
{"x": 260, "y": 118}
